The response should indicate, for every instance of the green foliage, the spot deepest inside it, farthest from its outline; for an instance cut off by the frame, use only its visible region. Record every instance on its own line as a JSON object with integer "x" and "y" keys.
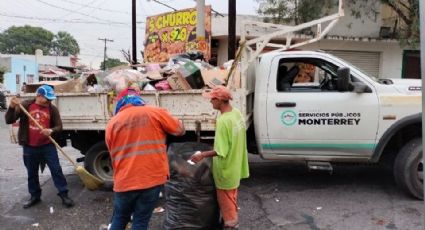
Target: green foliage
{"x": 64, "y": 44}
{"x": 294, "y": 11}
{"x": 112, "y": 62}
{"x": 407, "y": 11}
{"x": 26, "y": 39}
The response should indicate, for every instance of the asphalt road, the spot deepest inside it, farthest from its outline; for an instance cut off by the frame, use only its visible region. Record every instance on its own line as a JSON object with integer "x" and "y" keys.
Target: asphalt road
{"x": 276, "y": 196}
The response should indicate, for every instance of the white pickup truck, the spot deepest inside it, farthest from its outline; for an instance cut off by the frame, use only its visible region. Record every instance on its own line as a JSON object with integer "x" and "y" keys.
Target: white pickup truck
{"x": 343, "y": 115}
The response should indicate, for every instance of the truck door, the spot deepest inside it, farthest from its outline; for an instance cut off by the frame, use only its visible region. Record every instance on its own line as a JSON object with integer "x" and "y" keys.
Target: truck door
{"x": 306, "y": 115}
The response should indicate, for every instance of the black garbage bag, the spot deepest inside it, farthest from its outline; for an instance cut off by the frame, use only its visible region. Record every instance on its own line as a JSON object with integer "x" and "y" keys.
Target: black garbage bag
{"x": 191, "y": 201}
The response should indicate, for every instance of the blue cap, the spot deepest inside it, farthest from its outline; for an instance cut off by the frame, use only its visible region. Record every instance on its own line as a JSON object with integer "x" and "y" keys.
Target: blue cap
{"x": 47, "y": 92}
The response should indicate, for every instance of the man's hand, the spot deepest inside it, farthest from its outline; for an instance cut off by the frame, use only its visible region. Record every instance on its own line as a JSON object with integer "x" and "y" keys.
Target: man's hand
{"x": 47, "y": 132}
{"x": 14, "y": 102}
{"x": 197, "y": 156}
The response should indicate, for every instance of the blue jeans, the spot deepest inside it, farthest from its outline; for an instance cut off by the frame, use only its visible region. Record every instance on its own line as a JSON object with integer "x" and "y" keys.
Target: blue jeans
{"x": 32, "y": 157}
{"x": 140, "y": 203}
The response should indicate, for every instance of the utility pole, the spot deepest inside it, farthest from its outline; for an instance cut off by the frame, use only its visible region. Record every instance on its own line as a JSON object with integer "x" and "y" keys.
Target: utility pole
{"x": 232, "y": 30}
{"x": 133, "y": 32}
{"x": 200, "y": 20}
{"x": 104, "y": 51}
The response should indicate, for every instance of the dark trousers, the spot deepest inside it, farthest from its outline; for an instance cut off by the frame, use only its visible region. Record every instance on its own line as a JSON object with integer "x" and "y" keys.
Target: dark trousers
{"x": 140, "y": 203}
{"x": 32, "y": 158}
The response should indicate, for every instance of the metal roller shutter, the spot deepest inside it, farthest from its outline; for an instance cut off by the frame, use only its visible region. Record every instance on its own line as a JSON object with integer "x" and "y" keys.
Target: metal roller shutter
{"x": 366, "y": 61}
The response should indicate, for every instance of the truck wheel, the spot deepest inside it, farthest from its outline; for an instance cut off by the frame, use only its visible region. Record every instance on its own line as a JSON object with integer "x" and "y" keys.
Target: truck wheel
{"x": 408, "y": 168}
{"x": 98, "y": 163}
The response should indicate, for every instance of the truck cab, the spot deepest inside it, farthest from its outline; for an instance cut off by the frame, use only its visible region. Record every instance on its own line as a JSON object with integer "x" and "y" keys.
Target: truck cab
{"x": 314, "y": 107}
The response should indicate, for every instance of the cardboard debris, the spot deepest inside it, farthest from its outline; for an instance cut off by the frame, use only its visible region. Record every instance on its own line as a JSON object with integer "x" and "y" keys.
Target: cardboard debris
{"x": 178, "y": 82}
{"x": 153, "y": 67}
{"x": 70, "y": 86}
{"x": 154, "y": 75}
{"x": 214, "y": 77}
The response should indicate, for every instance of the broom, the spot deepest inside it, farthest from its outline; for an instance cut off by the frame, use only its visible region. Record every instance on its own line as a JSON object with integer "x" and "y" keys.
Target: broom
{"x": 90, "y": 181}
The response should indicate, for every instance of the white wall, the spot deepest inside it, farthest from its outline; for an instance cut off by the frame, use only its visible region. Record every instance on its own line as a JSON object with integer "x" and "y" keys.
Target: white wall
{"x": 43, "y": 60}
{"x": 219, "y": 24}
{"x": 391, "y": 53}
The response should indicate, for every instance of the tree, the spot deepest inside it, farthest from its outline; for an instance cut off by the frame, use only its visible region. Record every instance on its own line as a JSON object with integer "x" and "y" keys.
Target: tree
{"x": 299, "y": 11}
{"x": 293, "y": 11}
{"x": 407, "y": 17}
{"x": 25, "y": 39}
{"x": 112, "y": 62}
{"x": 64, "y": 44}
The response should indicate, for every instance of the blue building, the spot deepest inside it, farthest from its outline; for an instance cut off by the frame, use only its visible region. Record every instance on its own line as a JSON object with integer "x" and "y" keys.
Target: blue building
{"x": 18, "y": 71}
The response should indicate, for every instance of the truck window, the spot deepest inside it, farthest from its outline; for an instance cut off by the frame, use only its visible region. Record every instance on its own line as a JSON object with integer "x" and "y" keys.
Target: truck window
{"x": 306, "y": 74}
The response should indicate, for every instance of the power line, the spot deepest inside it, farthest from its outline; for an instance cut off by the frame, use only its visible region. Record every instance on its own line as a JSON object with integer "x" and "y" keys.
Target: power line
{"x": 87, "y": 15}
{"x": 54, "y": 20}
{"x": 161, "y": 3}
{"x": 78, "y": 9}
{"x": 97, "y": 8}
{"x": 166, "y": 5}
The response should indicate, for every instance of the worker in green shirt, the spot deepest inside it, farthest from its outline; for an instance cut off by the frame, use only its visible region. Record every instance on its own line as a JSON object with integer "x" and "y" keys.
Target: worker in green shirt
{"x": 230, "y": 155}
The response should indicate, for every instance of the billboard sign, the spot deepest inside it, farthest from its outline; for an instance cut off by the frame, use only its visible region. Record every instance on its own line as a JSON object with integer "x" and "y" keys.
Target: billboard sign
{"x": 174, "y": 33}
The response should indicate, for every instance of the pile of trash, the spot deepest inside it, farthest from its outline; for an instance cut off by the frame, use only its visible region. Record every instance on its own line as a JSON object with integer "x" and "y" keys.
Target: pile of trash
{"x": 180, "y": 73}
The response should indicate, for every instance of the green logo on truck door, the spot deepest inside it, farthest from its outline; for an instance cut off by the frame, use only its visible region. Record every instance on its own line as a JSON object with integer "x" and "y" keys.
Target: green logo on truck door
{"x": 288, "y": 117}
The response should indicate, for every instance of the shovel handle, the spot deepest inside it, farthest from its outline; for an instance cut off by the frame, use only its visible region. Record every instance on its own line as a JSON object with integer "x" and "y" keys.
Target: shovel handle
{"x": 50, "y": 138}
{"x": 235, "y": 62}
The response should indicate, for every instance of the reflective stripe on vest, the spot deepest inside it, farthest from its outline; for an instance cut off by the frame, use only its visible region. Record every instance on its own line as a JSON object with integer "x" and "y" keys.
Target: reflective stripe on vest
{"x": 146, "y": 142}
{"x": 140, "y": 152}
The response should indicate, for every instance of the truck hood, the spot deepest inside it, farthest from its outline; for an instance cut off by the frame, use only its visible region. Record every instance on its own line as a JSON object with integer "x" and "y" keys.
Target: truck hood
{"x": 408, "y": 86}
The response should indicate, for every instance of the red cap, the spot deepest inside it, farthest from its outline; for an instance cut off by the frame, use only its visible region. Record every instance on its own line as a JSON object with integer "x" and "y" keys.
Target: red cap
{"x": 220, "y": 92}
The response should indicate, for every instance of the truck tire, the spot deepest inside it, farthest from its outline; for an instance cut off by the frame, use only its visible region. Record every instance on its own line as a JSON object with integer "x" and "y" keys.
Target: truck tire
{"x": 408, "y": 168}
{"x": 98, "y": 162}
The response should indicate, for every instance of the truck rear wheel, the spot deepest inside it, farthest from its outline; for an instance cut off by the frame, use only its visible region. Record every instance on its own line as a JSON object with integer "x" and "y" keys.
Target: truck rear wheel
{"x": 98, "y": 162}
{"x": 408, "y": 168}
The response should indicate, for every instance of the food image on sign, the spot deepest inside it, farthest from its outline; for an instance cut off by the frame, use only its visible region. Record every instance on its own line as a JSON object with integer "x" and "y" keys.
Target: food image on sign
{"x": 175, "y": 33}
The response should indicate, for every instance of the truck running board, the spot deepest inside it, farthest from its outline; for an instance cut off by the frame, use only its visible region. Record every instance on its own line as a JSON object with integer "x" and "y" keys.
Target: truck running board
{"x": 320, "y": 165}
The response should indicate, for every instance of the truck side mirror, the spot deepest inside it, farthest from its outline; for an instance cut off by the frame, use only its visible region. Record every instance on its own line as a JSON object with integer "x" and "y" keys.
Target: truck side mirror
{"x": 360, "y": 87}
{"x": 343, "y": 82}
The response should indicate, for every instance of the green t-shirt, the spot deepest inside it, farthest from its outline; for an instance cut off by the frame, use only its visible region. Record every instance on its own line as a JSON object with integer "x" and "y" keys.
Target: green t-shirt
{"x": 231, "y": 163}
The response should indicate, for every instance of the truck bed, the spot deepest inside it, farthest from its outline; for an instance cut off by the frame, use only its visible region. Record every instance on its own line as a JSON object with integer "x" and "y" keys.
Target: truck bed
{"x": 92, "y": 111}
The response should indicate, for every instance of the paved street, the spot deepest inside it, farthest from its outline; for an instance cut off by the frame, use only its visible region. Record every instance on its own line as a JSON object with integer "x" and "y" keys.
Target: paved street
{"x": 277, "y": 196}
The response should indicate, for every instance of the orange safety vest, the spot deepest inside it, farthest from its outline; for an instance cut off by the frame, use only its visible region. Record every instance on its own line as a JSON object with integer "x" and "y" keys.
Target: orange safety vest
{"x": 136, "y": 139}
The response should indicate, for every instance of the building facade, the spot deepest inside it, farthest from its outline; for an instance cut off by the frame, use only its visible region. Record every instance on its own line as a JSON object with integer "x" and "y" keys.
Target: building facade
{"x": 17, "y": 72}
{"x": 367, "y": 43}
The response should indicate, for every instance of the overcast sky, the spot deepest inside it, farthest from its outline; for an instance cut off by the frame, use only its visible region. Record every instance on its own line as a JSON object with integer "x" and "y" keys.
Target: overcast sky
{"x": 89, "y": 20}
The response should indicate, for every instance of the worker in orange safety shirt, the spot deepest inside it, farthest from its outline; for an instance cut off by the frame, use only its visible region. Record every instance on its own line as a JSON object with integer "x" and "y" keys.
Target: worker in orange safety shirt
{"x": 136, "y": 140}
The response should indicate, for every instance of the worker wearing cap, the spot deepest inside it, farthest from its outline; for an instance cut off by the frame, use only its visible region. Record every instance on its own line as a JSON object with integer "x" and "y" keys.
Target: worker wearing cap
{"x": 136, "y": 140}
{"x": 230, "y": 159}
{"x": 38, "y": 149}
